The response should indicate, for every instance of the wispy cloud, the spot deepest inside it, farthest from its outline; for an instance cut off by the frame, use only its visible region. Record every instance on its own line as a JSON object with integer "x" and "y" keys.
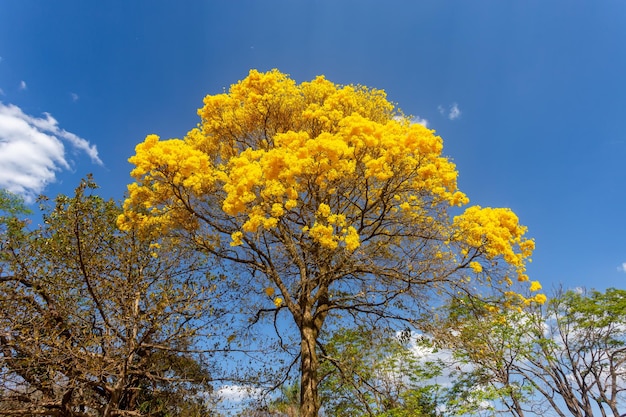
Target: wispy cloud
{"x": 23, "y": 85}
{"x": 414, "y": 119}
{"x": 452, "y": 112}
{"x": 74, "y": 96}
{"x": 622, "y": 267}
{"x": 32, "y": 151}
{"x": 455, "y": 112}
{"x": 420, "y": 121}
{"x": 233, "y": 399}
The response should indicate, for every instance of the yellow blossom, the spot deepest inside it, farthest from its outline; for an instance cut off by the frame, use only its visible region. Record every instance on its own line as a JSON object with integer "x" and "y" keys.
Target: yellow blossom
{"x": 236, "y": 239}
{"x": 260, "y": 179}
{"x": 324, "y": 235}
{"x": 352, "y": 239}
{"x": 323, "y": 210}
{"x": 492, "y": 309}
{"x": 497, "y": 232}
{"x": 277, "y": 210}
{"x": 291, "y": 204}
{"x": 278, "y": 301}
{"x": 478, "y": 268}
{"x": 535, "y": 286}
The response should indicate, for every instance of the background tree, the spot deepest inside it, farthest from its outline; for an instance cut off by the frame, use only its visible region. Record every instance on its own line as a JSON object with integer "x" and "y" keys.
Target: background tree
{"x": 286, "y": 404}
{"x": 488, "y": 343}
{"x": 12, "y": 216}
{"x": 369, "y": 371}
{"x": 94, "y": 321}
{"x": 566, "y": 358}
{"x": 327, "y": 199}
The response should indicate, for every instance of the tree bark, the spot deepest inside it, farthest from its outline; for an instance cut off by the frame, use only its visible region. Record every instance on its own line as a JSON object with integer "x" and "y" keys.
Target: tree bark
{"x": 309, "y": 399}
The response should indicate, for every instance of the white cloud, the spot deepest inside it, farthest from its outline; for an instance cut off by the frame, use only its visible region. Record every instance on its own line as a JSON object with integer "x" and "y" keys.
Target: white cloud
{"x": 238, "y": 393}
{"x": 455, "y": 112}
{"x": 415, "y": 119}
{"x": 420, "y": 121}
{"x": 622, "y": 267}
{"x": 452, "y": 112}
{"x": 32, "y": 150}
{"x": 233, "y": 399}
{"x": 74, "y": 96}
{"x": 23, "y": 85}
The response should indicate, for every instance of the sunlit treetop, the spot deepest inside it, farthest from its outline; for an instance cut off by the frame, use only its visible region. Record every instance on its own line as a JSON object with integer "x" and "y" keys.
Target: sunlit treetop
{"x": 316, "y": 167}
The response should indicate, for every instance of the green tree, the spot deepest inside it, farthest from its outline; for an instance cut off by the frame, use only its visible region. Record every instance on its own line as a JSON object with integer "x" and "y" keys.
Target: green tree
{"x": 566, "y": 358}
{"x": 94, "y": 321}
{"x": 12, "y": 208}
{"x": 369, "y": 371}
{"x": 11, "y": 205}
{"x": 488, "y": 344}
{"x": 328, "y": 200}
{"x": 286, "y": 404}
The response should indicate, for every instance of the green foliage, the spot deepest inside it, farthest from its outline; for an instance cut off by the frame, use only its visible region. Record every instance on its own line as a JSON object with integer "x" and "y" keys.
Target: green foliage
{"x": 287, "y": 404}
{"x": 414, "y": 403}
{"x": 12, "y": 207}
{"x": 11, "y": 204}
{"x": 566, "y": 357}
{"x": 594, "y": 309}
{"x": 373, "y": 372}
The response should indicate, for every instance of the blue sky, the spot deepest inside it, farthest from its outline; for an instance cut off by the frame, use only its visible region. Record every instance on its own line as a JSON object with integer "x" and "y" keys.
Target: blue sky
{"x": 529, "y": 96}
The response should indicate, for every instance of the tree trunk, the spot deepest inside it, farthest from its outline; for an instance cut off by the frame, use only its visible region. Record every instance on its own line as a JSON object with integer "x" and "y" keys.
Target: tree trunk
{"x": 309, "y": 400}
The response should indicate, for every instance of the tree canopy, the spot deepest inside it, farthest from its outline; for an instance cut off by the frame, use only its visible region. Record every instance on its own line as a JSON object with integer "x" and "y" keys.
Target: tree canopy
{"x": 94, "y": 321}
{"x": 329, "y": 200}
{"x": 566, "y": 357}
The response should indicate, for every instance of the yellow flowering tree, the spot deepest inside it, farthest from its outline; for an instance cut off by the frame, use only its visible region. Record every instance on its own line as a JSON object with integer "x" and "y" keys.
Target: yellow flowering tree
{"x": 329, "y": 194}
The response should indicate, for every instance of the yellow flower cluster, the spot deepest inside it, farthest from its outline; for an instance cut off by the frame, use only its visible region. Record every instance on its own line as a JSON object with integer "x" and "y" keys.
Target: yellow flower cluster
{"x": 496, "y": 232}
{"x": 476, "y": 267}
{"x": 331, "y": 229}
{"x": 265, "y": 143}
{"x": 150, "y": 203}
{"x": 519, "y": 301}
